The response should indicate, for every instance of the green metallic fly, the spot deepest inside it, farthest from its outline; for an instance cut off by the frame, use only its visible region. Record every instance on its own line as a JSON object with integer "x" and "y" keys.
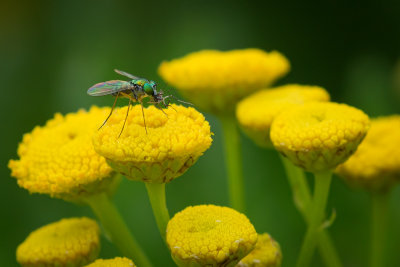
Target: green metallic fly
{"x": 135, "y": 90}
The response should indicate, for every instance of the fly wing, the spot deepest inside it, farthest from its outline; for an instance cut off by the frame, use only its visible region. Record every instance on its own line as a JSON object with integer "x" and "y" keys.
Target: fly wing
{"x": 130, "y": 76}
{"x": 108, "y": 88}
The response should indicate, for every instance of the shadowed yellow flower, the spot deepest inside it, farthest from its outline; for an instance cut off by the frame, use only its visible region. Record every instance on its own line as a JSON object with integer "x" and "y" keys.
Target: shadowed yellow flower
{"x": 319, "y": 136}
{"x": 267, "y": 253}
{"x": 256, "y": 112}
{"x": 215, "y": 80}
{"x": 208, "y": 235}
{"x": 59, "y": 159}
{"x": 68, "y": 242}
{"x": 116, "y": 262}
{"x": 174, "y": 141}
{"x": 376, "y": 163}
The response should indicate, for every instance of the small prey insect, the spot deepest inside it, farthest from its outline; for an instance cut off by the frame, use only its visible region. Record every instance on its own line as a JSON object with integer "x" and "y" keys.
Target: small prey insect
{"x": 135, "y": 90}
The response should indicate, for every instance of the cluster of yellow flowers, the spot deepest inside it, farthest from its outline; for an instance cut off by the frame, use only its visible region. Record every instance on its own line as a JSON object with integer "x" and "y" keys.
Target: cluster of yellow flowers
{"x": 69, "y": 158}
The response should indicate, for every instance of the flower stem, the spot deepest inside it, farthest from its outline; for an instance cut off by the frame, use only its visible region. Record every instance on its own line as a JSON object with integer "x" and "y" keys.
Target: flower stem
{"x": 233, "y": 162}
{"x": 380, "y": 203}
{"x": 302, "y": 200}
{"x": 116, "y": 228}
{"x": 156, "y": 194}
{"x": 321, "y": 192}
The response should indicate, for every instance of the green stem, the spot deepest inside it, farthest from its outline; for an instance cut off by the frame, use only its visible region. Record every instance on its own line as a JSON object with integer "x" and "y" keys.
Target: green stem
{"x": 233, "y": 162}
{"x": 298, "y": 183}
{"x": 302, "y": 200}
{"x": 156, "y": 194}
{"x": 380, "y": 203}
{"x": 116, "y": 228}
{"x": 321, "y": 192}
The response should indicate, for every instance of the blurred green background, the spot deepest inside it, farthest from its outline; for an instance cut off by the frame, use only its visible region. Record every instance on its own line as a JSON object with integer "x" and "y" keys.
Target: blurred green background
{"x": 52, "y": 51}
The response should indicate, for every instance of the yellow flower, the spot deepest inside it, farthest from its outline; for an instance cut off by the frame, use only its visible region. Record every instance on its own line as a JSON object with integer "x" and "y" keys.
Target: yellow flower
{"x": 116, "y": 262}
{"x": 319, "y": 136}
{"x": 215, "y": 80}
{"x": 376, "y": 163}
{"x": 208, "y": 235}
{"x": 267, "y": 253}
{"x": 68, "y": 242}
{"x": 59, "y": 159}
{"x": 174, "y": 141}
{"x": 256, "y": 112}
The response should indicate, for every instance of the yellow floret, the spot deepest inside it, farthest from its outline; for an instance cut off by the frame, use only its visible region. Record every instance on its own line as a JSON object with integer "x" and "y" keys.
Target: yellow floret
{"x": 208, "y": 235}
{"x": 319, "y": 136}
{"x": 68, "y": 242}
{"x": 116, "y": 262}
{"x": 173, "y": 142}
{"x": 256, "y": 112}
{"x": 267, "y": 253}
{"x": 59, "y": 159}
{"x": 216, "y": 80}
{"x": 376, "y": 163}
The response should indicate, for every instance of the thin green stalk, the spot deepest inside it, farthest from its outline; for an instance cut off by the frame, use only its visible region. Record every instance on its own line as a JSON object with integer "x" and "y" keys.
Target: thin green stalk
{"x": 233, "y": 162}
{"x": 321, "y": 192}
{"x": 302, "y": 199}
{"x": 156, "y": 194}
{"x": 116, "y": 228}
{"x": 380, "y": 204}
{"x": 298, "y": 183}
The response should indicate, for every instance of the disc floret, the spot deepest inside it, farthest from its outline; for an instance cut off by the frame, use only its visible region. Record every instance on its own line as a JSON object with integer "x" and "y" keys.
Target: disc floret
{"x": 208, "y": 235}
{"x": 68, "y": 242}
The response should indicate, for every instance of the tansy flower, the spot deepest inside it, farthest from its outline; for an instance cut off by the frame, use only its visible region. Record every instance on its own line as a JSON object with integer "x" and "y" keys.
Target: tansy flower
{"x": 255, "y": 115}
{"x": 376, "y": 163}
{"x": 59, "y": 159}
{"x": 375, "y": 166}
{"x": 173, "y": 142}
{"x": 256, "y": 112}
{"x": 319, "y": 136}
{"x": 116, "y": 262}
{"x": 68, "y": 242}
{"x": 176, "y": 137}
{"x": 267, "y": 253}
{"x": 215, "y": 80}
{"x": 208, "y": 235}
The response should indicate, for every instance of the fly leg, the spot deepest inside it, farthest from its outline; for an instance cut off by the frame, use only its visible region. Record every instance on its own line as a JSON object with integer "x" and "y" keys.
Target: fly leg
{"x": 126, "y": 117}
{"x": 141, "y": 104}
{"x": 144, "y": 120}
{"x": 113, "y": 106}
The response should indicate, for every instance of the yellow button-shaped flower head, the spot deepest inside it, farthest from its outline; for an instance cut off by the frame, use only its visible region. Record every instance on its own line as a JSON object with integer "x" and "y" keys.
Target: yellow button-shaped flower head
{"x": 68, "y": 242}
{"x": 59, "y": 159}
{"x": 256, "y": 112}
{"x": 215, "y": 80}
{"x": 208, "y": 235}
{"x": 173, "y": 142}
{"x": 267, "y": 253}
{"x": 320, "y": 135}
{"x": 116, "y": 262}
{"x": 376, "y": 163}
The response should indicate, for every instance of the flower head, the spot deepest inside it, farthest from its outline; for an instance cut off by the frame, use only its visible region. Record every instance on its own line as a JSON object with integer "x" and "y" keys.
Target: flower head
{"x": 208, "y": 235}
{"x": 267, "y": 253}
{"x": 376, "y": 163}
{"x": 216, "y": 80}
{"x": 173, "y": 142}
{"x": 318, "y": 136}
{"x": 256, "y": 112}
{"x": 59, "y": 159}
{"x": 116, "y": 262}
{"x": 68, "y": 242}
